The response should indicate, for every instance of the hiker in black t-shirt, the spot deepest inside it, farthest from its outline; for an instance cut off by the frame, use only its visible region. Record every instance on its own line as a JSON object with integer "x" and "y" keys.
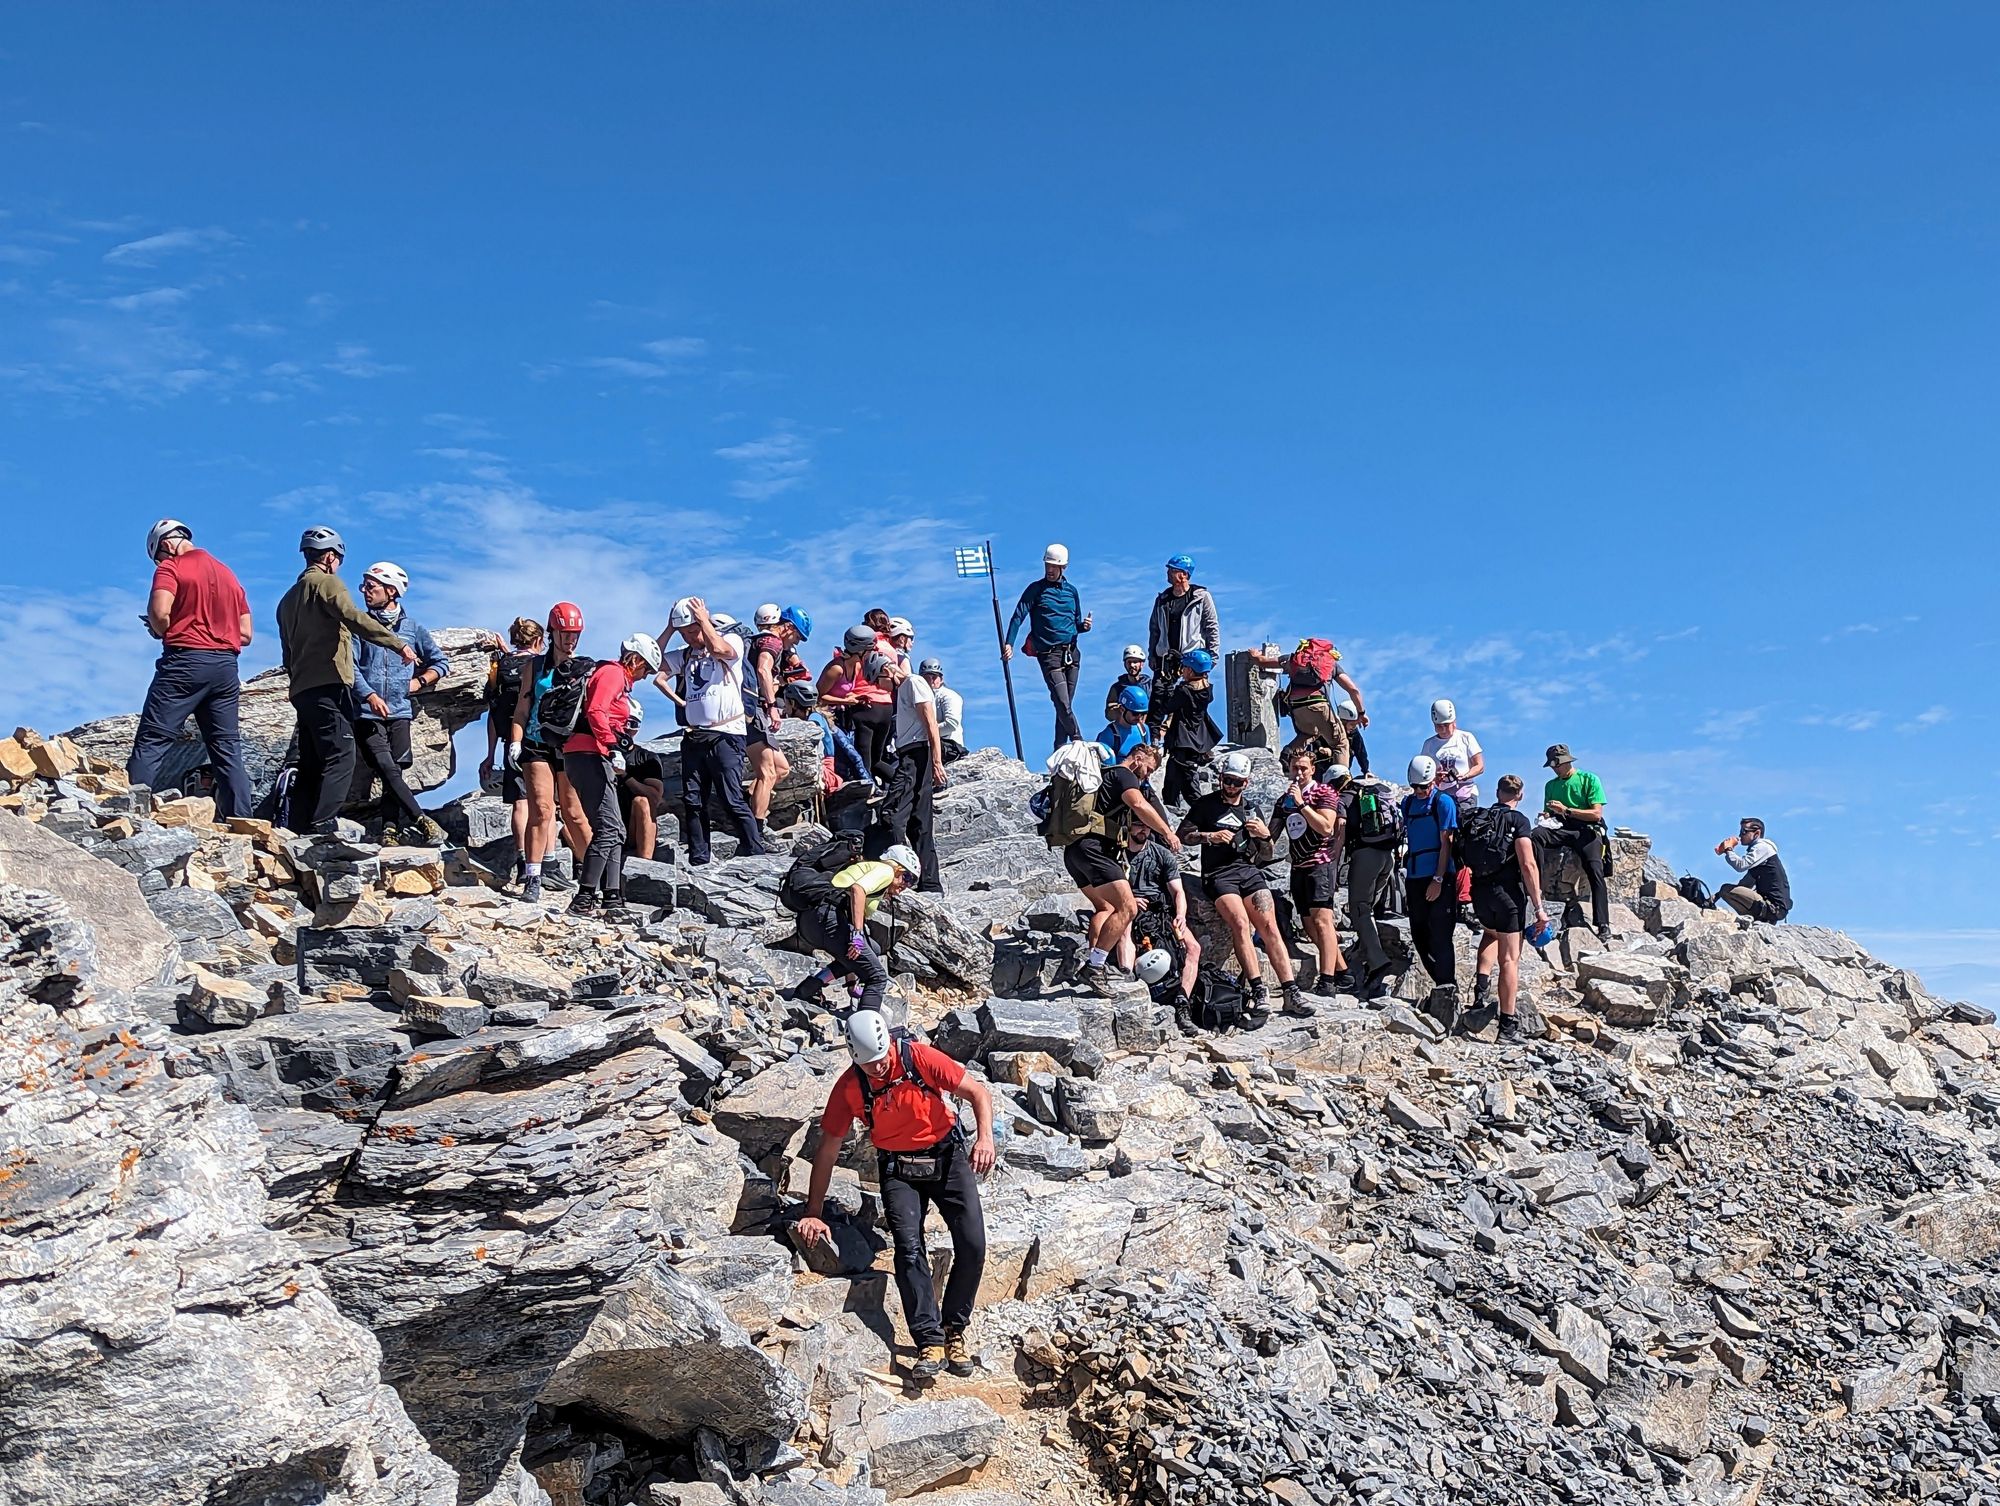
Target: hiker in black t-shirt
{"x": 1180, "y": 722}
{"x": 642, "y": 794}
{"x": 1233, "y": 842}
{"x": 1504, "y": 900}
{"x": 1154, "y": 872}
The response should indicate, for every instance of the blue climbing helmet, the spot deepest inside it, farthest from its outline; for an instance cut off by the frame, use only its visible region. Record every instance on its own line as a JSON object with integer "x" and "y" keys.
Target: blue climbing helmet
{"x": 799, "y": 620}
{"x": 1134, "y": 699}
{"x": 1543, "y": 934}
{"x": 1200, "y": 660}
{"x": 1182, "y": 562}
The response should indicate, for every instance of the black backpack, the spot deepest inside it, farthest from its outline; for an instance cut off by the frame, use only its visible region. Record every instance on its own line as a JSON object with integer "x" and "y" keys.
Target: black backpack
{"x": 561, "y": 706}
{"x": 1484, "y": 841}
{"x": 1378, "y": 816}
{"x": 508, "y": 672}
{"x": 809, "y": 881}
{"x": 1695, "y": 892}
{"x": 1218, "y": 1001}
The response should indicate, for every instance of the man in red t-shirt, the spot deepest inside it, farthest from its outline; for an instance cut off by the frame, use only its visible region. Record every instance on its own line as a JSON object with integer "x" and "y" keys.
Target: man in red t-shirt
{"x": 199, "y": 613}
{"x": 902, "y": 1090}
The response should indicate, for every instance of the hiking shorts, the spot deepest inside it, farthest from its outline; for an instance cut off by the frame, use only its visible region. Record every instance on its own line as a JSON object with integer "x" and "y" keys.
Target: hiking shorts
{"x": 1093, "y": 861}
{"x": 1239, "y": 879}
{"x": 1501, "y": 904}
{"x": 541, "y": 753}
{"x": 1315, "y": 886}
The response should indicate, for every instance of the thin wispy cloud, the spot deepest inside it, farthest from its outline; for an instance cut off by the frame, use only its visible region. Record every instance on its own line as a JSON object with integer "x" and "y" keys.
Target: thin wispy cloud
{"x": 152, "y": 298}
{"x": 668, "y": 357}
{"x": 769, "y": 466}
{"x": 358, "y": 361}
{"x": 1729, "y": 724}
{"x": 1929, "y": 717}
{"x": 1844, "y": 721}
{"x": 152, "y": 248}
{"x": 625, "y": 366}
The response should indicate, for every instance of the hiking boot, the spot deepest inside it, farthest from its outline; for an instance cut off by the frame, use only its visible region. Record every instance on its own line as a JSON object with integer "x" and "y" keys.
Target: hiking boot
{"x": 1183, "y": 1019}
{"x": 428, "y": 833}
{"x": 1510, "y": 1030}
{"x": 1604, "y": 934}
{"x": 928, "y": 1365}
{"x": 553, "y": 879}
{"x": 1259, "y": 993}
{"x": 809, "y": 990}
{"x": 957, "y": 1358}
{"x": 531, "y": 889}
{"x": 1295, "y": 1003}
{"x": 1094, "y": 981}
{"x": 585, "y": 902}
{"x": 614, "y": 909}
{"x": 390, "y": 837}
{"x": 1482, "y": 992}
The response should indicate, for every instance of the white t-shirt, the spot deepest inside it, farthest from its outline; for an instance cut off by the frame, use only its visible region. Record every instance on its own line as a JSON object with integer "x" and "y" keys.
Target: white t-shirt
{"x": 714, "y": 688}
{"x": 1454, "y": 756}
{"x": 950, "y": 714}
{"x": 910, "y": 728}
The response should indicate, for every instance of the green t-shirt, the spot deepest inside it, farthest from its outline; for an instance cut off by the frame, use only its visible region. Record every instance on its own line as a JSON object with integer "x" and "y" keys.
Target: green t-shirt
{"x": 1579, "y": 790}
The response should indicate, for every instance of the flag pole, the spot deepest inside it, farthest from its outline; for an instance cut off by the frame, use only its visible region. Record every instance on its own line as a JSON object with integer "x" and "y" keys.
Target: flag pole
{"x": 1006, "y": 668}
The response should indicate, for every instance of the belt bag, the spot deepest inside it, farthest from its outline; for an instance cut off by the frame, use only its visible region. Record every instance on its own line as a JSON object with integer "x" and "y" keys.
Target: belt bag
{"x": 925, "y": 1165}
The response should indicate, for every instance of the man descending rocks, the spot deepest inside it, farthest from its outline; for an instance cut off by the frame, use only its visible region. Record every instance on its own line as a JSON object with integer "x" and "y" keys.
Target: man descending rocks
{"x": 1182, "y": 726}
{"x": 1090, "y": 828}
{"x": 833, "y": 892}
{"x": 905, "y": 814}
{"x": 709, "y": 665}
{"x": 1313, "y": 671}
{"x": 201, "y": 617}
{"x": 1496, "y": 845}
{"x": 385, "y": 686}
{"x": 1233, "y": 843}
{"x": 1430, "y": 817}
{"x": 1137, "y": 673}
{"x": 1574, "y": 801}
{"x": 1055, "y": 616}
{"x": 588, "y": 755}
{"x": 901, "y": 1090}
{"x": 1309, "y": 815}
{"x": 950, "y": 710}
{"x": 1765, "y": 892}
{"x": 318, "y": 621}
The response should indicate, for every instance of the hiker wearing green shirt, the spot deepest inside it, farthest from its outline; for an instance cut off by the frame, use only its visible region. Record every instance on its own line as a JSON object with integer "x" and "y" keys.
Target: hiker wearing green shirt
{"x": 1574, "y": 800}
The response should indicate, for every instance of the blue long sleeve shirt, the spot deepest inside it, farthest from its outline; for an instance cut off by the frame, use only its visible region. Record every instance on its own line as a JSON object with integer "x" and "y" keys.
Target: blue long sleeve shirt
{"x": 1053, "y": 611}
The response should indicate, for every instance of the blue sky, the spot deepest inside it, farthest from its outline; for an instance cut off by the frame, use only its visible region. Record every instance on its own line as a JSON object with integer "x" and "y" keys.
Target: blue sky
{"x": 1625, "y": 373}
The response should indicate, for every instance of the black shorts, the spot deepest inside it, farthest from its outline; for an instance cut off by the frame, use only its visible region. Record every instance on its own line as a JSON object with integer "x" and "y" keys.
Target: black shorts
{"x": 541, "y": 753}
{"x": 1239, "y": 879}
{"x": 1315, "y": 886}
{"x": 1501, "y": 904}
{"x": 511, "y": 789}
{"x": 756, "y": 731}
{"x": 1093, "y": 861}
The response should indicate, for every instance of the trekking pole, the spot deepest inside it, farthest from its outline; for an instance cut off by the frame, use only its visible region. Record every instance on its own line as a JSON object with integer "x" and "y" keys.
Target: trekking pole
{"x": 1006, "y": 668}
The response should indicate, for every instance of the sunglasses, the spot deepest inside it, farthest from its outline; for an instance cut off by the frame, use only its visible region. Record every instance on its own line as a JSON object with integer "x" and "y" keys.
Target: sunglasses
{"x": 1234, "y": 784}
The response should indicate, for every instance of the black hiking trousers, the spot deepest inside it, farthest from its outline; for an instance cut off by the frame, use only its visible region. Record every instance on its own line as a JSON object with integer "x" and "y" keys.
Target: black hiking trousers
{"x": 1431, "y": 924}
{"x": 824, "y": 929}
{"x": 906, "y": 814}
{"x": 955, "y": 1195}
{"x": 326, "y": 756}
{"x": 1587, "y": 842}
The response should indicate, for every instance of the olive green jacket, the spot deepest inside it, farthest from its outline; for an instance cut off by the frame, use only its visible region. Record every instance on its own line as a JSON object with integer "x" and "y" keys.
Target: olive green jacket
{"x": 316, "y": 622}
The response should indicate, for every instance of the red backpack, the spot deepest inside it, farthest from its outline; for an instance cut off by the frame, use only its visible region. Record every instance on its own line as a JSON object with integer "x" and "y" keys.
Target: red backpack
{"x": 1311, "y": 663}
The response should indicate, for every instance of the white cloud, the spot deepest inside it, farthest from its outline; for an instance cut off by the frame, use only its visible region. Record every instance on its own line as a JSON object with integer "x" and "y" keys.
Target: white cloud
{"x": 167, "y": 243}
{"x": 1844, "y": 721}
{"x": 152, "y": 298}
{"x": 625, "y": 366}
{"x": 679, "y": 350}
{"x": 1730, "y": 724}
{"x": 1923, "y": 721}
{"x": 91, "y": 656}
{"x": 359, "y": 361}
{"x": 768, "y": 466}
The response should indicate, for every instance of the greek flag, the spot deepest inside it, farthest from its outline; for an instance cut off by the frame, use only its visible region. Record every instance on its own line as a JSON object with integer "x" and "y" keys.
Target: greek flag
{"x": 973, "y": 561}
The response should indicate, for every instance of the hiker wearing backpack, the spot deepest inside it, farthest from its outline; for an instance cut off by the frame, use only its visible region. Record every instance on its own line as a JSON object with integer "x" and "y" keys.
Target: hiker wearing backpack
{"x": 1309, "y": 814}
{"x": 1496, "y": 845}
{"x": 905, "y": 814}
{"x": 589, "y": 754}
{"x": 833, "y": 891}
{"x": 537, "y": 753}
{"x": 1349, "y": 716}
{"x": 198, "y": 612}
{"x": 864, "y": 709}
{"x": 1312, "y": 670}
{"x": 1055, "y": 616}
{"x": 1372, "y": 818}
{"x": 1089, "y": 823}
{"x": 1126, "y": 726}
{"x": 384, "y": 685}
{"x": 709, "y": 664}
{"x": 1430, "y": 820}
{"x": 950, "y": 710}
{"x": 774, "y": 664}
{"x": 1460, "y": 762}
{"x": 1766, "y": 890}
{"x": 901, "y": 1089}
{"x": 1137, "y": 675}
{"x": 1234, "y": 844}
{"x": 1153, "y": 871}
{"x": 505, "y": 671}
{"x": 1182, "y": 726}
{"x": 318, "y": 621}
{"x": 1574, "y": 801}
{"x": 1183, "y": 618}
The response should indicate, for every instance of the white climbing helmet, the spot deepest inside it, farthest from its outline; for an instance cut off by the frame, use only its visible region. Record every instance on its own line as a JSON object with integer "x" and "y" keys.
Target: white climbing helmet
{"x": 1055, "y": 554}
{"x": 1155, "y": 965}
{"x": 635, "y": 714}
{"x": 645, "y": 646}
{"x": 1235, "y": 765}
{"x": 903, "y": 858}
{"x": 767, "y": 615}
{"x": 867, "y": 1036}
{"x": 1423, "y": 769}
{"x": 1443, "y": 711}
{"x": 163, "y": 530}
{"x": 1347, "y": 711}
{"x": 395, "y": 577}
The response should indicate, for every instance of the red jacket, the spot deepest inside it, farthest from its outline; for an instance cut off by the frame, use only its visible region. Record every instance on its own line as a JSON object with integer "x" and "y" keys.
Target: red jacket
{"x": 605, "y": 710}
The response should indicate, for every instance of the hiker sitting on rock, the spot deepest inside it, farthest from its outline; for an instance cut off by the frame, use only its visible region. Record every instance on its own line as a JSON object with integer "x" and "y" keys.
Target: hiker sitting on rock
{"x": 1154, "y": 874}
{"x": 902, "y": 1090}
{"x": 1765, "y": 892}
{"x": 1090, "y": 828}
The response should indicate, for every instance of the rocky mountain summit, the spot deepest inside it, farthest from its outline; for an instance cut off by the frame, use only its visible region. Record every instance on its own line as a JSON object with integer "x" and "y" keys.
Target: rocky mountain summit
{"x": 331, "y": 1172}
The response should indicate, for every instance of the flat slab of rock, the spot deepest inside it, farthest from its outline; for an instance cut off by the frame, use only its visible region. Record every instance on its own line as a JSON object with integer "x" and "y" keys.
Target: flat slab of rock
{"x": 931, "y": 1443}
{"x": 134, "y": 948}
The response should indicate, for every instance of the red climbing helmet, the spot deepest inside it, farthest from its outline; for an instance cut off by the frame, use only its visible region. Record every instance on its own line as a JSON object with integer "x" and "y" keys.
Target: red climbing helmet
{"x": 565, "y": 617}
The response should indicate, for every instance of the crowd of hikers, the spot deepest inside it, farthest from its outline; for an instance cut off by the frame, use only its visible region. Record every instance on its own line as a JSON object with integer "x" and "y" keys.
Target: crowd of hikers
{"x": 1156, "y": 804}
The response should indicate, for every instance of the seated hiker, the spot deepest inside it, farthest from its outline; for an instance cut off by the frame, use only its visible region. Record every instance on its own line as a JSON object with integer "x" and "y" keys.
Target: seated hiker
{"x": 1154, "y": 873}
{"x": 898, "y": 1087}
{"x": 950, "y": 710}
{"x": 1309, "y": 815}
{"x": 1496, "y": 846}
{"x": 833, "y": 891}
{"x": 1181, "y": 723}
{"x": 1765, "y": 892}
{"x": 1090, "y": 828}
{"x": 1234, "y": 843}
{"x": 642, "y": 786}
{"x": 1126, "y": 726}
{"x": 1574, "y": 802}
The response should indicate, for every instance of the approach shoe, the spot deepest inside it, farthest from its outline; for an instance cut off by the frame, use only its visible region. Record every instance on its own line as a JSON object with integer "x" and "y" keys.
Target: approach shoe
{"x": 957, "y": 1358}
{"x": 929, "y": 1364}
{"x": 809, "y": 990}
{"x": 531, "y": 889}
{"x": 584, "y": 902}
{"x": 1295, "y": 1003}
{"x": 614, "y": 909}
{"x": 1094, "y": 980}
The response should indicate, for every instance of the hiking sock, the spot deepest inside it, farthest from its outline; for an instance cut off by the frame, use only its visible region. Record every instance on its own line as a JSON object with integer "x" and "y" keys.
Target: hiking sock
{"x": 534, "y": 870}
{"x": 1098, "y": 955}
